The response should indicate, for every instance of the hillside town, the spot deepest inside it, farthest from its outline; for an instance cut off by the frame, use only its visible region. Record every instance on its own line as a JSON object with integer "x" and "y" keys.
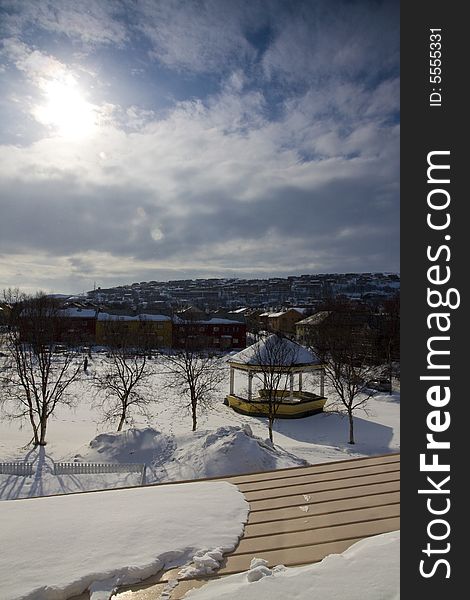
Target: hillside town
{"x": 220, "y": 313}
{"x": 231, "y": 294}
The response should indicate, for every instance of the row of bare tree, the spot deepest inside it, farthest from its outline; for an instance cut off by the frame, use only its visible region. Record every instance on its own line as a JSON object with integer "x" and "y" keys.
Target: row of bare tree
{"x": 35, "y": 379}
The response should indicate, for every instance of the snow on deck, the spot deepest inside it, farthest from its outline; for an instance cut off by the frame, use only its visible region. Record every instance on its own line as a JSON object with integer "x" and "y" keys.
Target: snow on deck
{"x": 369, "y": 569}
{"x": 301, "y": 515}
{"x": 59, "y": 546}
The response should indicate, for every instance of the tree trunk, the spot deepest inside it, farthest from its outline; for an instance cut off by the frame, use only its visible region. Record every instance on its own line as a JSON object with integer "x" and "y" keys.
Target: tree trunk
{"x": 194, "y": 413}
{"x": 351, "y": 428}
{"x": 122, "y": 420}
{"x": 270, "y": 428}
{"x": 42, "y": 429}
{"x": 35, "y": 428}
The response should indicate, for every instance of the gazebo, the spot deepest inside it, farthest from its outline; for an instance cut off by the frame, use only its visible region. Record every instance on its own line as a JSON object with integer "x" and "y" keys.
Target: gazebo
{"x": 271, "y": 359}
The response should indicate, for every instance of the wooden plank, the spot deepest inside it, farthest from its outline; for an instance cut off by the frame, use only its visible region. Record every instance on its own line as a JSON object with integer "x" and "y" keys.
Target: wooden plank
{"x": 290, "y": 513}
{"x": 330, "y": 519}
{"x": 339, "y": 465}
{"x": 256, "y": 545}
{"x": 327, "y": 476}
{"x": 288, "y": 557}
{"x": 320, "y": 486}
{"x": 261, "y": 506}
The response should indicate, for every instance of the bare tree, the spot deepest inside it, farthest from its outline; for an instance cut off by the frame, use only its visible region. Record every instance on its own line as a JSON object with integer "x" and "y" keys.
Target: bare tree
{"x": 193, "y": 372}
{"x": 35, "y": 379}
{"x": 345, "y": 348}
{"x": 124, "y": 376}
{"x": 275, "y": 358}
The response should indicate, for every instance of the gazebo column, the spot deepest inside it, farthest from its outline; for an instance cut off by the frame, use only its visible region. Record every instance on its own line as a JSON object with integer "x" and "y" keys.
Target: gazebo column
{"x": 322, "y": 382}
{"x": 232, "y": 380}
{"x": 291, "y": 385}
{"x": 300, "y": 382}
{"x": 250, "y": 385}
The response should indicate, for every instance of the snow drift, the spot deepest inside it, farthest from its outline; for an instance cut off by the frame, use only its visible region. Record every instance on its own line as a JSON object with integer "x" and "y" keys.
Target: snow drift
{"x": 227, "y": 451}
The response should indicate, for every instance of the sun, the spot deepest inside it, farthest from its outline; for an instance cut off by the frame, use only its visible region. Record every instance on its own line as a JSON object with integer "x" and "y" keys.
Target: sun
{"x": 65, "y": 109}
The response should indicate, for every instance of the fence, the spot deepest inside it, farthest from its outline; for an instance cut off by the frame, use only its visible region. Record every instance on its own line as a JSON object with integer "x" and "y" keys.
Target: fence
{"x": 16, "y": 468}
{"x": 77, "y": 468}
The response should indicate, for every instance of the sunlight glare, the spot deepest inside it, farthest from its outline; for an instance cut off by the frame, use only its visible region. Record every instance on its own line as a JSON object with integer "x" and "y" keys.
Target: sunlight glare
{"x": 66, "y": 110}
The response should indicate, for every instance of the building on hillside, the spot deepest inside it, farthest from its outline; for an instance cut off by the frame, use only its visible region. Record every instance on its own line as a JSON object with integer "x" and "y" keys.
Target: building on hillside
{"x": 221, "y": 334}
{"x": 281, "y": 322}
{"x": 147, "y": 331}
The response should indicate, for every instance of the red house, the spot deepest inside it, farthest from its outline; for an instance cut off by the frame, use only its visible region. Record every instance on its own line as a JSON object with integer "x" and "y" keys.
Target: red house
{"x": 76, "y": 325}
{"x": 222, "y": 334}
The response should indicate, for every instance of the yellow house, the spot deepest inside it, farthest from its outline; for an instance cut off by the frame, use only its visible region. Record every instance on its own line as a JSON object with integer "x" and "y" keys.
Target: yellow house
{"x": 283, "y": 321}
{"x": 148, "y": 331}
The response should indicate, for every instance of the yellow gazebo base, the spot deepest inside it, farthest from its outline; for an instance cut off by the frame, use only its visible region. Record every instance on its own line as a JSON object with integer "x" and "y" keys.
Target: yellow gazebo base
{"x": 304, "y": 404}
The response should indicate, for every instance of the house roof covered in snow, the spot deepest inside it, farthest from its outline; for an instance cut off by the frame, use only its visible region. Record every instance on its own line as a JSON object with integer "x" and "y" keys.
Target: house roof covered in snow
{"x": 143, "y": 317}
{"x": 275, "y": 315}
{"x": 315, "y": 319}
{"x": 147, "y": 317}
{"x": 213, "y": 321}
{"x": 78, "y": 313}
{"x": 275, "y": 350}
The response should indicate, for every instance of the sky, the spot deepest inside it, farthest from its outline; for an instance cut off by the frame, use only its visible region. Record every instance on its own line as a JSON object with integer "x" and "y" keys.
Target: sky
{"x": 166, "y": 139}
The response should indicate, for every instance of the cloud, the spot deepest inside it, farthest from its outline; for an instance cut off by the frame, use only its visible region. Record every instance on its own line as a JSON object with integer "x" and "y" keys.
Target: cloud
{"x": 287, "y": 163}
{"x": 334, "y": 40}
{"x": 87, "y": 21}
{"x": 200, "y": 37}
{"x": 183, "y": 191}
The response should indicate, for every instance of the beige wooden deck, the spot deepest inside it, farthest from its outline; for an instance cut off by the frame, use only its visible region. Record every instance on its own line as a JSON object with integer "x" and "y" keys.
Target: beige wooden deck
{"x": 298, "y": 516}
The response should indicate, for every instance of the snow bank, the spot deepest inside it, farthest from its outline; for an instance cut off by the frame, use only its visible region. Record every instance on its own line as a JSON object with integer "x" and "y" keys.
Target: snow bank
{"x": 135, "y": 445}
{"x": 369, "y": 570}
{"x": 58, "y": 547}
{"x": 226, "y": 451}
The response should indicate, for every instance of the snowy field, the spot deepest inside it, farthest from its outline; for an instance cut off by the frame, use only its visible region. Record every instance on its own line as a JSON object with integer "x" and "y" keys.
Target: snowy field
{"x": 77, "y": 545}
{"x": 224, "y": 443}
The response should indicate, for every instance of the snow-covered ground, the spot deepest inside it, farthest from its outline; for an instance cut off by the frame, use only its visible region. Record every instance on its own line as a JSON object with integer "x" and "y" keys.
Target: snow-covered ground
{"x": 225, "y": 442}
{"x": 54, "y": 548}
{"x": 368, "y": 570}
{"x": 97, "y": 541}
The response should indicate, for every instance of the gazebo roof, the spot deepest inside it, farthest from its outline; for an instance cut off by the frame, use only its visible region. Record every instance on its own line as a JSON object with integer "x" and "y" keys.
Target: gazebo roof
{"x": 275, "y": 351}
